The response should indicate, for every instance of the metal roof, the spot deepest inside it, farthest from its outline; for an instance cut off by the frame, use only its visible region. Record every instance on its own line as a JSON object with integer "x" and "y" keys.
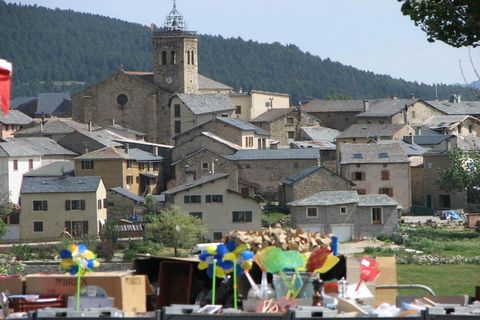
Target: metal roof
{"x": 59, "y": 184}
{"x": 127, "y": 194}
{"x": 371, "y": 130}
{"x": 327, "y": 198}
{"x": 372, "y": 153}
{"x": 15, "y": 117}
{"x": 196, "y": 183}
{"x": 274, "y": 154}
{"x": 371, "y": 200}
{"x": 206, "y": 102}
{"x": 243, "y": 125}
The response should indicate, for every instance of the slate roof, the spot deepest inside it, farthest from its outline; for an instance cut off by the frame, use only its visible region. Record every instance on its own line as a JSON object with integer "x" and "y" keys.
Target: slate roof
{"x": 370, "y": 200}
{"x": 54, "y": 169}
{"x": 334, "y": 106}
{"x": 204, "y": 83}
{"x": 53, "y": 103}
{"x": 445, "y": 122}
{"x": 15, "y": 117}
{"x": 307, "y": 172}
{"x": 213, "y": 136}
{"x": 119, "y": 128}
{"x": 112, "y": 153}
{"x": 33, "y": 146}
{"x": 272, "y": 114}
{"x": 16, "y": 102}
{"x": 196, "y": 183}
{"x": 273, "y": 154}
{"x": 127, "y": 194}
{"x": 372, "y": 153}
{"x": 386, "y": 107}
{"x": 463, "y": 107}
{"x": 427, "y": 140}
{"x": 53, "y": 126}
{"x": 313, "y": 144}
{"x": 104, "y": 137}
{"x": 59, "y": 184}
{"x": 327, "y": 198}
{"x": 410, "y": 149}
{"x": 370, "y": 130}
{"x": 243, "y": 125}
{"x": 207, "y": 102}
{"x": 321, "y": 133}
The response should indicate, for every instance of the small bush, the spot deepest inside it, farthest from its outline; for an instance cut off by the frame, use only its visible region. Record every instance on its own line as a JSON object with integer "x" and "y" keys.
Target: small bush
{"x": 9, "y": 266}
{"x": 129, "y": 255}
{"x": 22, "y": 251}
{"x": 106, "y": 250}
{"x": 45, "y": 252}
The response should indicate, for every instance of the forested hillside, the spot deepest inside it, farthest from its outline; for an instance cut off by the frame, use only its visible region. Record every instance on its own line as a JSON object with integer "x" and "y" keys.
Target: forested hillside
{"x": 62, "y": 50}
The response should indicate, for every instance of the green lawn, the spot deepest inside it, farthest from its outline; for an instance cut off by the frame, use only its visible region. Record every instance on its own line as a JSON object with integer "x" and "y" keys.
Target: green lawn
{"x": 445, "y": 279}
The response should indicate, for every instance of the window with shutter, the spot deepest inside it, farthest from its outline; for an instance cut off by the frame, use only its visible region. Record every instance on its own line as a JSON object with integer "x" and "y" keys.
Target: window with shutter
{"x": 82, "y": 204}
{"x": 67, "y": 205}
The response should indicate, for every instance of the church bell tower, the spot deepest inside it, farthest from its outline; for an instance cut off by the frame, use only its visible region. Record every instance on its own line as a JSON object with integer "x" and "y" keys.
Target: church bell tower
{"x": 176, "y": 55}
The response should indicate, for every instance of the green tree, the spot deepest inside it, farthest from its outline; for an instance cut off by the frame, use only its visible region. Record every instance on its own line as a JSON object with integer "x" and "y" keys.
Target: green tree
{"x": 455, "y": 22}
{"x": 463, "y": 173}
{"x": 175, "y": 229}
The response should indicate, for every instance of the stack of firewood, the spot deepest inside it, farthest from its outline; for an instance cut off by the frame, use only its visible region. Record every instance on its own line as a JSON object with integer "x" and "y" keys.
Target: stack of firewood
{"x": 285, "y": 238}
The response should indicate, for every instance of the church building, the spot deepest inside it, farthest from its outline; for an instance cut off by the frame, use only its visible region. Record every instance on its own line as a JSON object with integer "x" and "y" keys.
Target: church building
{"x": 163, "y": 103}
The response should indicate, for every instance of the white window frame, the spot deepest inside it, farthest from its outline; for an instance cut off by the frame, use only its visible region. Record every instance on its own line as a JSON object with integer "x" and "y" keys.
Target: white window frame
{"x": 311, "y": 217}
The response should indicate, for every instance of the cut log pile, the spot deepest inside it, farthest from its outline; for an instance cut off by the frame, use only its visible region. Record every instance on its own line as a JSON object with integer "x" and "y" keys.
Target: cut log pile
{"x": 285, "y": 238}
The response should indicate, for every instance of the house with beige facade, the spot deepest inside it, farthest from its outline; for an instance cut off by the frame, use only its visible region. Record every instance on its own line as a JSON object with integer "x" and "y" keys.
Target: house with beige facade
{"x": 310, "y": 181}
{"x": 378, "y": 169}
{"x": 138, "y": 171}
{"x": 346, "y": 214}
{"x": 284, "y": 123}
{"x": 460, "y": 125}
{"x": 251, "y": 104}
{"x": 51, "y": 205}
{"x": 220, "y": 208}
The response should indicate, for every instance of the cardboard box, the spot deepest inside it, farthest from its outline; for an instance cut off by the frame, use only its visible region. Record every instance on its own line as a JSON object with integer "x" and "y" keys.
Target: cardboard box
{"x": 128, "y": 290}
{"x": 12, "y": 283}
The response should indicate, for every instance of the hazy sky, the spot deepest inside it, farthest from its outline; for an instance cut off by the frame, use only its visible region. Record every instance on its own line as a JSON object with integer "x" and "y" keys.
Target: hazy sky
{"x": 367, "y": 34}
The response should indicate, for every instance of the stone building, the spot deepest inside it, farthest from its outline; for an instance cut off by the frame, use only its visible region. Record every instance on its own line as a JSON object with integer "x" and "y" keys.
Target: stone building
{"x": 335, "y": 114}
{"x": 346, "y": 214}
{"x": 284, "y": 124}
{"x": 123, "y": 204}
{"x": 142, "y": 101}
{"x": 460, "y": 125}
{"x": 308, "y": 182}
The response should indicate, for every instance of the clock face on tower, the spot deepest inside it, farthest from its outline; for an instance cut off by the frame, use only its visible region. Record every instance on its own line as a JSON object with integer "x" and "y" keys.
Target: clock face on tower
{"x": 168, "y": 80}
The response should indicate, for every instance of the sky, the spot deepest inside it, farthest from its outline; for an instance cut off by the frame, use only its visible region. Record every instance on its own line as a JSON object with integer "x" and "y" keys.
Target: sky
{"x": 370, "y": 35}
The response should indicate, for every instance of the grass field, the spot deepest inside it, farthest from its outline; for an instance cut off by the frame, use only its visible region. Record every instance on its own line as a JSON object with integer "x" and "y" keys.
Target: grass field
{"x": 446, "y": 279}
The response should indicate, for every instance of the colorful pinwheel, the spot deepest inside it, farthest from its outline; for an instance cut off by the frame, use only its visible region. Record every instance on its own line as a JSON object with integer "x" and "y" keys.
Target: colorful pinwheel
{"x": 215, "y": 256}
{"x": 240, "y": 255}
{"x": 78, "y": 260}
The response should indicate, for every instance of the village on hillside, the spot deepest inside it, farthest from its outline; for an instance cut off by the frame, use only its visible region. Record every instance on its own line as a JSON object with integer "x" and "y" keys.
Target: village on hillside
{"x": 98, "y": 164}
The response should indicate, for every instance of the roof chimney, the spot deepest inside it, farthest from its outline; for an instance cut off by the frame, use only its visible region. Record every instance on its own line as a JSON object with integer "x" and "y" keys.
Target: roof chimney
{"x": 89, "y": 126}
{"x": 113, "y": 121}
{"x": 366, "y": 105}
{"x": 126, "y": 148}
{"x": 453, "y": 98}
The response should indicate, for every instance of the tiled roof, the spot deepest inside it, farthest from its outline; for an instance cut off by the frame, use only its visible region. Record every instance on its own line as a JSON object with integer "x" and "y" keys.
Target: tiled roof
{"x": 372, "y": 153}
{"x": 54, "y": 169}
{"x": 205, "y": 83}
{"x": 274, "y": 154}
{"x": 370, "y": 200}
{"x": 463, "y": 107}
{"x": 59, "y": 184}
{"x": 206, "y": 103}
{"x": 196, "y": 183}
{"x": 334, "y": 106}
{"x": 32, "y": 146}
{"x": 15, "y": 117}
{"x": 127, "y": 194}
{"x": 386, "y": 107}
{"x": 112, "y": 153}
{"x": 370, "y": 130}
{"x": 410, "y": 149}
{"x": 243, "y": 125}
{"x": 272, "y": 114}
{"x": 53, "y": 103}
{"x": 321, "y": 133}
{"x": 327, "y": 198}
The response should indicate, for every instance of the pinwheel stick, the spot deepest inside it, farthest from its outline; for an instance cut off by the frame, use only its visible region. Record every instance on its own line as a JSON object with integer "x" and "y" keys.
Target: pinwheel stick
{"x": 358, "y": 285}
{"x": 214, "y": 280}
{"x": 78, "y": 288}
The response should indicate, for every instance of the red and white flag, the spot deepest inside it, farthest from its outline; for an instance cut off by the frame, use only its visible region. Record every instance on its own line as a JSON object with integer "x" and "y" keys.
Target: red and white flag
{"x": 5, "y": 85}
